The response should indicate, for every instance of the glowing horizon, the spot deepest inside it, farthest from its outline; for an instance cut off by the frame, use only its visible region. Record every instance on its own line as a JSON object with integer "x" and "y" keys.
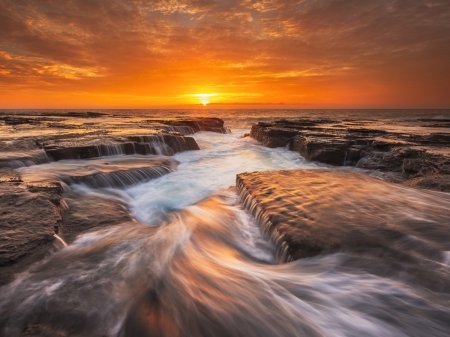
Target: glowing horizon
{"x": 217, "y": 53}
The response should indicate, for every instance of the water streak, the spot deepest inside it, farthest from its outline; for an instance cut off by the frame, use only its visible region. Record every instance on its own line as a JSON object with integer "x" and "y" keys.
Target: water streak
{"x": 196, "y": 264}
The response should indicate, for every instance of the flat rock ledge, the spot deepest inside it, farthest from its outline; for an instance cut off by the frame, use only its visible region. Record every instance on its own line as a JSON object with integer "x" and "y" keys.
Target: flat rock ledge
{"x": 30, "y": 216}
{"x": 321, "y": 211}
{"x": 32, "y": 212}
{"x": 32, "y": 140}
{"x": 125, "y": 145}
{"x": 193, "y": 125}
{"x": 416, "y": 153}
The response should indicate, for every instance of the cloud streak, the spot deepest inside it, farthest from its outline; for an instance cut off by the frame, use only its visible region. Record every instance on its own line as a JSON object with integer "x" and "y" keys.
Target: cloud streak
{"x": 320, "y": 53}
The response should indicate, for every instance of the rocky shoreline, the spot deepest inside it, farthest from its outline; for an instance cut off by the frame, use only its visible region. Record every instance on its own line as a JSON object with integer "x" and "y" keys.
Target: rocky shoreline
{"x": 36, "y": 213}
{"x": 34, "y": 210}
{"x": 415, "y": 153}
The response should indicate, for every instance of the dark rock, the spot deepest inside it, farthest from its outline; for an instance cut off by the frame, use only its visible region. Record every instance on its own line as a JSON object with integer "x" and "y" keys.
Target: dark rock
{"x": 326, "y": 151}
{"x": 353, "y": 154}
{"x": 410, "y": 162}
{"x": 84, "y": 213}
{"x": 87, "y": 114}
{"x": 437, "y": 182}
{"x": 198, "y": 124}
{"x": 272, "y": 136}
{"x": 91, "y": 148}
{"x": 20, "y": 120}
{"x": 434, "y": 120}
{"x": 364, "y": 144}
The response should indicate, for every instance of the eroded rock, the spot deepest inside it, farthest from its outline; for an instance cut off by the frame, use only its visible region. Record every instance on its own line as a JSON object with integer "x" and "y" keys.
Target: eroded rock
{"x": 164, "y": 144}
{"x": 199, "y": 124}
{"x": 368, "y": 145}
{"x": 29, "y": 218}
{"x": 320, "y": 211}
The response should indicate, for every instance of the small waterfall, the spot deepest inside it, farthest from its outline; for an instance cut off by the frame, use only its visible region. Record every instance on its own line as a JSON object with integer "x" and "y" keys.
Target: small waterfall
{"x": 155, "y": 144}
{"x": 119, "y": 179}
{"x": 166, "y": 145}
{"x": 17, "y": 160}
{"x": 183, "y": 130}
{"x": 14, "y": 164}
{"x": 113, "y": 149}
{"x": 264, "y": 222}
{"x": 352, "y": 155}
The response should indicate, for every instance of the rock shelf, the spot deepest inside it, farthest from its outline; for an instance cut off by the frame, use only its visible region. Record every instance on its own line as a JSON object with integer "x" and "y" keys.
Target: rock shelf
{"x": 323, "y": 211}
{"x": 416, "y": 152}
{"x": 29, "y": 218}
{"x": 35, "y": 207}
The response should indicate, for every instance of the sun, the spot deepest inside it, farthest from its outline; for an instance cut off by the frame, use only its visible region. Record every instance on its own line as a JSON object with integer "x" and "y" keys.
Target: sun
{"x": 204, "y": 98}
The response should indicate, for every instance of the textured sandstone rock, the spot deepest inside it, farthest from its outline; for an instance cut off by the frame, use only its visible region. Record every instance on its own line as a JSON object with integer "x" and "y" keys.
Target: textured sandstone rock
{"x": 29, "y": 217}
{"x": 319, "y": 211}
{"x": 87, "y": 213}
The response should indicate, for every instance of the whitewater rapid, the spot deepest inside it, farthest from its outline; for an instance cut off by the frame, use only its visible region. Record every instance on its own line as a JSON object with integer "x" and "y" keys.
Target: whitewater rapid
{"x": 194, "y": 263}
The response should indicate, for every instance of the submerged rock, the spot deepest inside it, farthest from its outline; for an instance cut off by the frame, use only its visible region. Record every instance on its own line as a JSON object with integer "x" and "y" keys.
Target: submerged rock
{"x": 16, "y": 159}
{"x": 123, "y": 176}
{"x": 85, "y": 213}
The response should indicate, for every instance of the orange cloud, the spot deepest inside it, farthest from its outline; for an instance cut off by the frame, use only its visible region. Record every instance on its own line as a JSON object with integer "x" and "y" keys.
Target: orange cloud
{"x": 138, "y": 53}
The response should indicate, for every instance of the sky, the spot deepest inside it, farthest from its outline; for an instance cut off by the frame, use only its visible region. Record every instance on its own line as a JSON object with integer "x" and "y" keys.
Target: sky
{"x": 225, "y": 53}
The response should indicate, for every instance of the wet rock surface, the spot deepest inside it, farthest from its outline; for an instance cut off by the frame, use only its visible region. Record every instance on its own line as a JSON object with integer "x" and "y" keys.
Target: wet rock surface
{"x": 107, "y": 172}
{"x": 413, "y": 150}
{"x": 85, "y": 213}
{"x": 320, "y": 211}
{"x": 108, "y": 146}
{"x": 29, "y": 218}
{"x": 198, "y": 124}
{"x": 30, "y": 139}
{"x": 33, "y": 210}
{"x": 34, "y": 207}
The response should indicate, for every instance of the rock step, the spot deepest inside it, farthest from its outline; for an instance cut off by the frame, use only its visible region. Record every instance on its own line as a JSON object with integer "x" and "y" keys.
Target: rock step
{"x": 124, "y": 178}
{"x": 17, "y": 159}
{"x": 320, "y": 211}
{"x": 183, "y": 130}
{"x": 108, "y": 146}
{"x": 199, "y": 124}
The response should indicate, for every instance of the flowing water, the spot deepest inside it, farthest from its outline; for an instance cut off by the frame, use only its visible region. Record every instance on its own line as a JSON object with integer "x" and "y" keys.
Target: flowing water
{"x": 194, "y": 263}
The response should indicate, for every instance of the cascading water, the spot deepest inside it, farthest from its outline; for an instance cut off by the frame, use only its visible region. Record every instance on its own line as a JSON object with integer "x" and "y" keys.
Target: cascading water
{"x": 17, "y": 160}
{"x": 196, "y": 264}
{"x": 111, "y": 172}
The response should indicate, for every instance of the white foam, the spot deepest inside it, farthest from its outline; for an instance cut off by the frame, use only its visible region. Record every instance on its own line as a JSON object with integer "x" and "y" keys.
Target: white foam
{"x": 205, "y": 172}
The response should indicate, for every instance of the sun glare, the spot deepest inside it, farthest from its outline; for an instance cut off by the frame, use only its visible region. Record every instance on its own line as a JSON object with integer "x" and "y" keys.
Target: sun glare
{"x": 204, "y": 98}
